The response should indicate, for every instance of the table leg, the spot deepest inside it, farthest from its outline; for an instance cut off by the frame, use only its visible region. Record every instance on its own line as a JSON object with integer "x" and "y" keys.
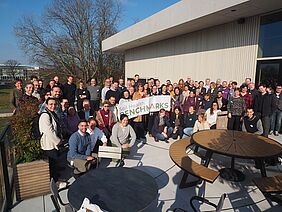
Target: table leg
{"x": 262, "y": 168}
{"x": 232, "y": 174}
{"x": 207, "y": 158}
{"x": 185, "y": 184}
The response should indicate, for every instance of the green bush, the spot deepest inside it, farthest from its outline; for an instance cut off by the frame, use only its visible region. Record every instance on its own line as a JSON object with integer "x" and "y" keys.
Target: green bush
{"x": 27, "y": 148}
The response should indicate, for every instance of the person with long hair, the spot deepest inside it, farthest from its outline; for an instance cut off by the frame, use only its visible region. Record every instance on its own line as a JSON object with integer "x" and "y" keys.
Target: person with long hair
{"x": 201, "y": 123}
{"x": 139, "y": 121}
{"x": 177, "y": 122}
{"x": 176, "y": 99}
{"x": 211, "y": 115}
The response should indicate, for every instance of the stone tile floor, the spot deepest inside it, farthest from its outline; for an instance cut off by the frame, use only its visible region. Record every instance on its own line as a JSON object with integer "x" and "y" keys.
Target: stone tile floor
{"x": 153, "y": 158}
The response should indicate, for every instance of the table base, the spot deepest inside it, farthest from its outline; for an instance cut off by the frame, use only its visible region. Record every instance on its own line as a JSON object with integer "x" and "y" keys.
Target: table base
{"x": 232, "y": 174}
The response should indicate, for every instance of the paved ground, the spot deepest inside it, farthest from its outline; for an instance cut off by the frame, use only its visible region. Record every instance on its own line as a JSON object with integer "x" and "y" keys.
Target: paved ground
{"x": 153, "y": 158}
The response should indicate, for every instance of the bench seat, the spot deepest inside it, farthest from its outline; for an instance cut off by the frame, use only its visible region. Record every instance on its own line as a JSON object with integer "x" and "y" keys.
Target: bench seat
{"x": 269, "y": 184}
{"x": 179, "y": 156}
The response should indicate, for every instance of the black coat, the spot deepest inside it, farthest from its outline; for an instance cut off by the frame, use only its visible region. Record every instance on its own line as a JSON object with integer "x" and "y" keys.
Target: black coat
{"x": 266, "y": 104}
{"x": 173, "y": 117}
{"x": 81, "y": 114}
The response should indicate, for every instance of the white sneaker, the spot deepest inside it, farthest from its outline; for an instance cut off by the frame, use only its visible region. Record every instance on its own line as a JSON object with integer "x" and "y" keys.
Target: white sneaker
{"x": 62, "y": 185}
{"x": 271, "y": 132}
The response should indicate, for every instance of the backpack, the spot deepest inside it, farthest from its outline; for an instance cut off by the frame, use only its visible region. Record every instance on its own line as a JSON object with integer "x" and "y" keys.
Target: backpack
{"x": 35, "y": 132}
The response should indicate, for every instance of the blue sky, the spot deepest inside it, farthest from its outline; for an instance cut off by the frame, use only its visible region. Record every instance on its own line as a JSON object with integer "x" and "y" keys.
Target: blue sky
{"x": 12, "y": 10}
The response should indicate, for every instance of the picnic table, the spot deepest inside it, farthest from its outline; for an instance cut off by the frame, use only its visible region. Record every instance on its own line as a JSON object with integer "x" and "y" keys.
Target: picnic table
{"x": 237, "y": 144}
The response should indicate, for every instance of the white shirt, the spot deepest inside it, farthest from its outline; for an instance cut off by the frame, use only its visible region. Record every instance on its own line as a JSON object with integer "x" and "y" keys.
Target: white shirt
{"x": 211, "y": 118}
{"x": 95, "y": 135}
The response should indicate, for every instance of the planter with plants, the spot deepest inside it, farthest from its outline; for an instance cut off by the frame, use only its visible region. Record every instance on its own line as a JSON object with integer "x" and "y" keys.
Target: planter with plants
{"x": 32, "y": 172}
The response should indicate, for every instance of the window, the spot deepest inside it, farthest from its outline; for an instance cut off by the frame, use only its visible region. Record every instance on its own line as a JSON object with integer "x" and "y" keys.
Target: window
{"x": 270, "y": 38}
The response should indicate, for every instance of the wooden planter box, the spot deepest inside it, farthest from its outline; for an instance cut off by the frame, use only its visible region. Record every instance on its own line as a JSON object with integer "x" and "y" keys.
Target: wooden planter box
{"x": 32, "y": 179}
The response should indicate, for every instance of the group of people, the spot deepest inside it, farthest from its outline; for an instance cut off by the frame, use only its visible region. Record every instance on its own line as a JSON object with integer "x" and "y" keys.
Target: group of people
{"x": 88, "y": 116}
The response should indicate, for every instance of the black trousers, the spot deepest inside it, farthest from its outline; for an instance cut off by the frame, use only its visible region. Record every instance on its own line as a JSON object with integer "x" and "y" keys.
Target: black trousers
{"x": 234, "y": 123}
{"x": 139, "y": 129}
{"x": 265, "y": 125}
{"x": 53, "y": 156}
{"x": 179, "y": 132}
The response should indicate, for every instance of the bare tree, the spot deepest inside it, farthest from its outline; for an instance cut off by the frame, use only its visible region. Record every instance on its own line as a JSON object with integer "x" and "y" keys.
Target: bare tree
{"x": 69, "y": 37}
{"x": 12, "y": 66}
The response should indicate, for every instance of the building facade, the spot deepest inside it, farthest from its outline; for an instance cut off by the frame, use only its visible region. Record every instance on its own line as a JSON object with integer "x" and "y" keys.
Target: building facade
{"x": 22, "y": 72}
{"x": 226, "y": 39}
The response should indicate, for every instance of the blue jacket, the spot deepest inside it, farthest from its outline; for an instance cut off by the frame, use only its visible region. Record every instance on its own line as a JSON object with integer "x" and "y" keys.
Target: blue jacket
{"x": 79, "y": 146}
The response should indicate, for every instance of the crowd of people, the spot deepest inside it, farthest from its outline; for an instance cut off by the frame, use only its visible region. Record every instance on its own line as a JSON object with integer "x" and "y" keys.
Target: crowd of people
{"x": 88, "y": 116}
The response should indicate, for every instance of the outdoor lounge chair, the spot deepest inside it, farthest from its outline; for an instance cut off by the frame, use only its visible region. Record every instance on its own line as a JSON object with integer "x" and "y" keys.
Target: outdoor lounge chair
{"x": 56, "y": 199}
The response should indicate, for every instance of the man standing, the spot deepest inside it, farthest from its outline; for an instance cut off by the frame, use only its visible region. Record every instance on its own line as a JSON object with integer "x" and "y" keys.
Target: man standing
{"x": 105, "y": 89}
{"x": 36, "y": 93}
{"x": 276, "y": 117}
{"x": 121, "y": 86}
{"x": 69, "y": 90}
{"x": 56, "y": 94}
{"x": 265, "y": 107}
{"x": 80, "y": 149}
{"x": 95, "y": 94}
{"x": 113, "y": 92}
{"x": 16, "y": 95}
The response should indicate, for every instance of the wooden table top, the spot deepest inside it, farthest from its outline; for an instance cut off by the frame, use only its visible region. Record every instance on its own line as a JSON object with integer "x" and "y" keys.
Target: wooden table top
{"x": 237, "y": 143}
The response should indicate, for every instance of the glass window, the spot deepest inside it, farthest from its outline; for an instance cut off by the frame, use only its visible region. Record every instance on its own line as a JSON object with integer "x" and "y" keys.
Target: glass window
{"x": 270, "y": 38}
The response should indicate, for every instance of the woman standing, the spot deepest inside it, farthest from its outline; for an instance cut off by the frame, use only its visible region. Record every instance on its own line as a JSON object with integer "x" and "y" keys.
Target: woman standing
{"x": 177, "y": 99}
{"x": 139, "y": 121}
{"x": 236, "y": 108}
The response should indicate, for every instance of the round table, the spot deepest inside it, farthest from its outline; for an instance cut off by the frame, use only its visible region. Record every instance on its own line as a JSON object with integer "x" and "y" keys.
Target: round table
{"x": 238, "y": 144}
{"x": 114, "y": 189}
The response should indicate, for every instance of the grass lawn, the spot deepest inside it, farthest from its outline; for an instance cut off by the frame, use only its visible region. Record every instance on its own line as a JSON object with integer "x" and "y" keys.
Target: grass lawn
{"x": 3, "y": 122}
{"x": 5, "y": 100}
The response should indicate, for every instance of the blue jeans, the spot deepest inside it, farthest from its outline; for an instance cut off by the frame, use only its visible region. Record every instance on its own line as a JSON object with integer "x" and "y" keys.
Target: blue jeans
{"x": 161, "y": 137}
{"x": 187, "y": 131}
{"x": 276, "y": 118}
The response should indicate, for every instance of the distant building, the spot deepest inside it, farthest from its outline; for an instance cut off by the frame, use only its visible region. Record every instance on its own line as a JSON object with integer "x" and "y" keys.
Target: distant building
{"x": 22, "y": 72}
{"x": 227, "y": 39}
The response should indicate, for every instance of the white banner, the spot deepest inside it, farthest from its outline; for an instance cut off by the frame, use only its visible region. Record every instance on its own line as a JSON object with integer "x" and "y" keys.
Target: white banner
{"x": 144, "y": 106}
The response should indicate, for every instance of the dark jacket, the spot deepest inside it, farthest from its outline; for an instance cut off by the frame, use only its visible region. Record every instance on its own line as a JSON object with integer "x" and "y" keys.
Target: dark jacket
{"x": 113, "y": 93}
{"x": 278, "y": 101}
{"x": 81, "y": 114}
{"x": 224, "y": 103}
{"x": 266, "y": 104}
{"x": 156, "y": 128}
{"x": 69, "y": 92}
{"x": 189, "y": 120}
{"x": 173, "y": 117}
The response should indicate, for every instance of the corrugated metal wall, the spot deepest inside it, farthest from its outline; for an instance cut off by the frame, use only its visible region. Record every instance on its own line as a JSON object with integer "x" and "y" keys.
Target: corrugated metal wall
{"x": 227, "y": 51}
